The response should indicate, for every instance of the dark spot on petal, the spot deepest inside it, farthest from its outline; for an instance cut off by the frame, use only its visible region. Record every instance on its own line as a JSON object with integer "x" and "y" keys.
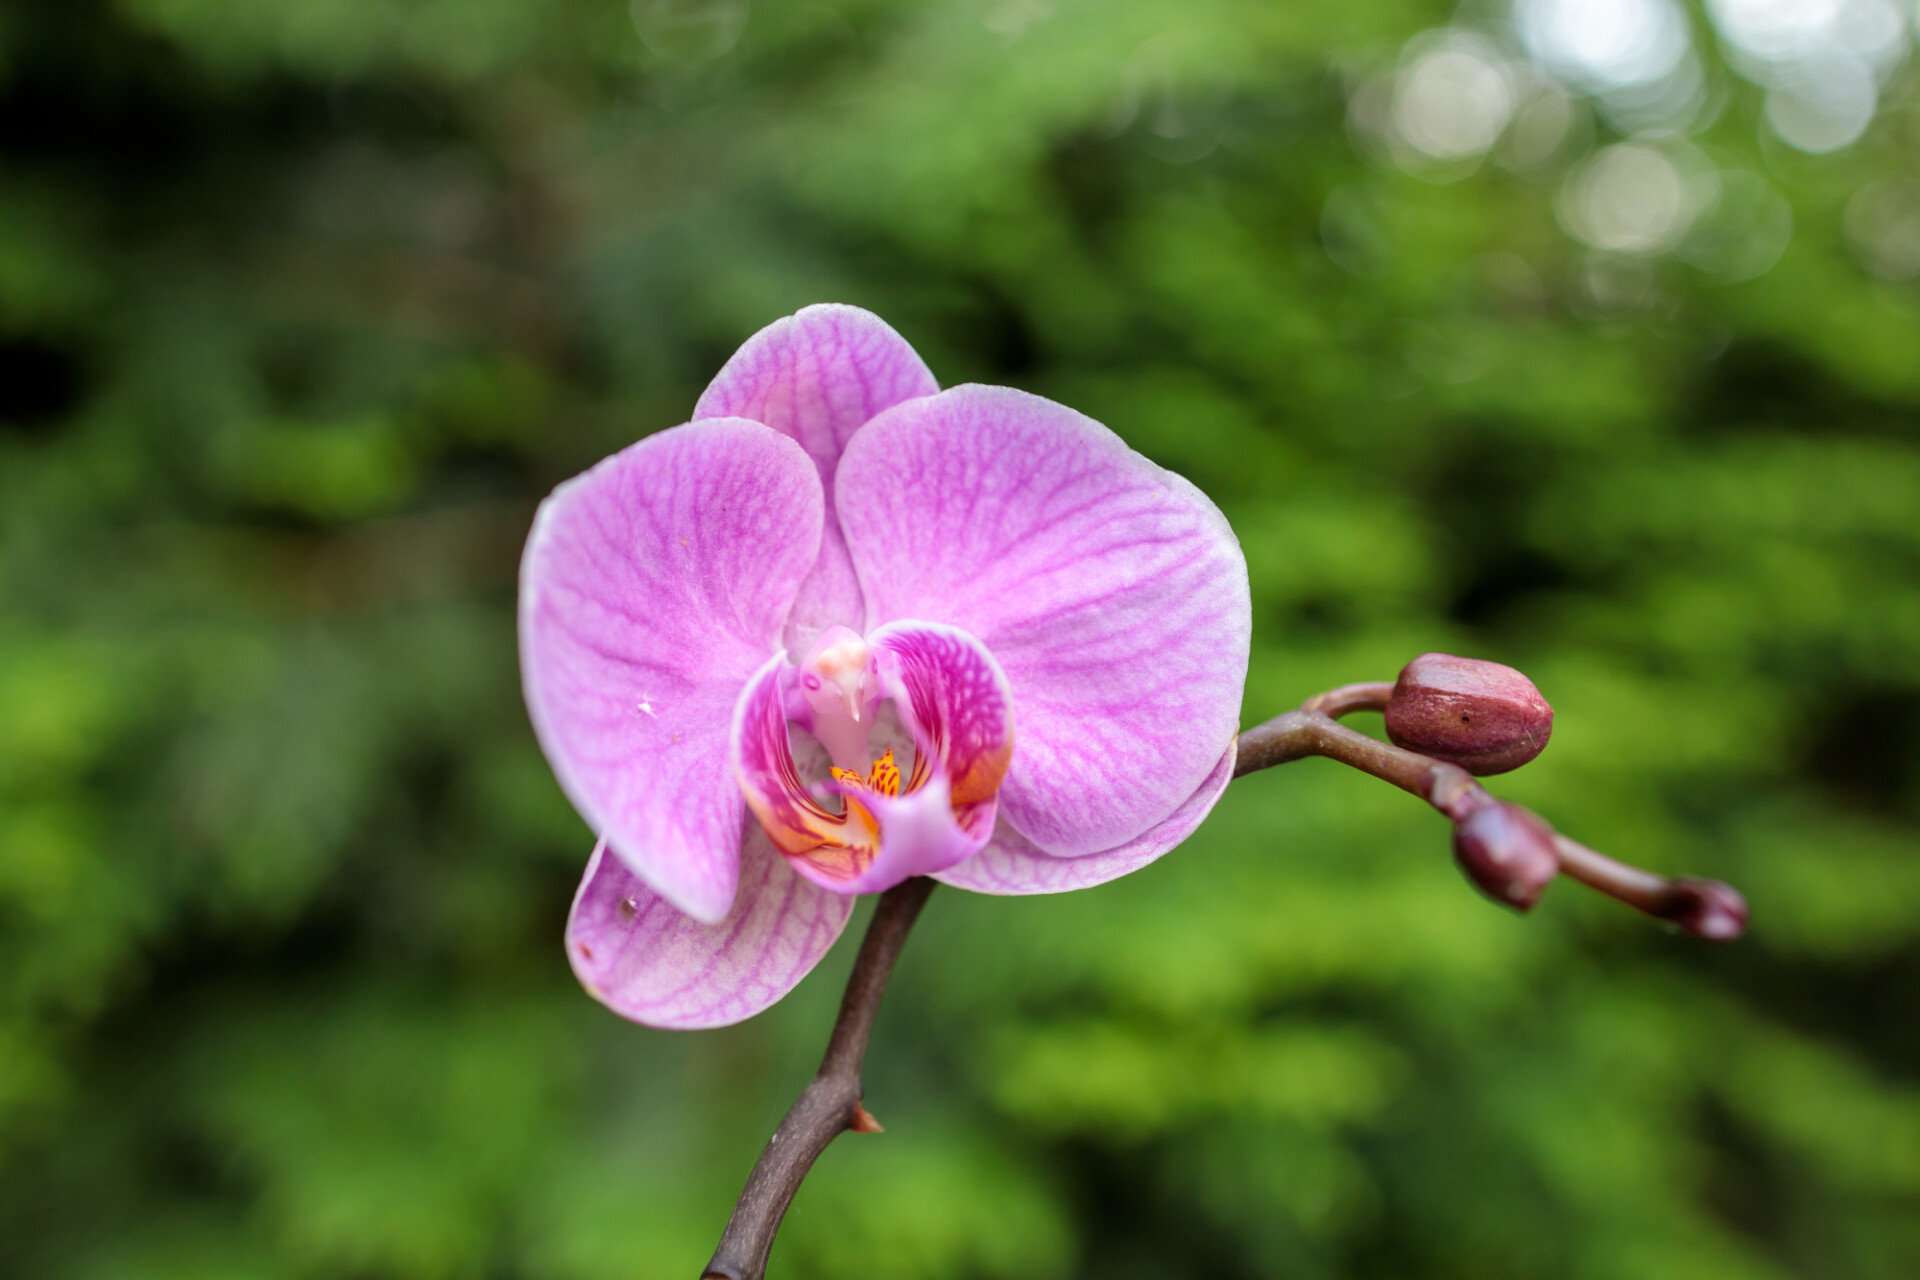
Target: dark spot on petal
{"x": 629, "y": 908}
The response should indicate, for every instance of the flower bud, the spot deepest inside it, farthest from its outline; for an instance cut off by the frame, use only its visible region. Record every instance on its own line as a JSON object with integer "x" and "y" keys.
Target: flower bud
{"x": 1707, "y": 909}
{"x": 1482, "y": 716}
{"x": 1507, "y": 852}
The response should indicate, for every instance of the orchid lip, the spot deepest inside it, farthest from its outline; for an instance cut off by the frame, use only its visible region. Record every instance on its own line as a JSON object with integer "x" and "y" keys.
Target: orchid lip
{"x": 953, "y": 702}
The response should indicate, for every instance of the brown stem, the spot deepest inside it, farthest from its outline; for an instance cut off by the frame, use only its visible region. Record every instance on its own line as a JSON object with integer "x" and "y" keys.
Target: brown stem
{"x": 1349, "y": 698}
{"x": 829, "y": 1105}
{"x": 1310, "y": 732}
{"x": 1705, "y": 908}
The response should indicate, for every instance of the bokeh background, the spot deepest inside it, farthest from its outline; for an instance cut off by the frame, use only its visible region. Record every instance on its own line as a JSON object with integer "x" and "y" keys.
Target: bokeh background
{"x": 1582, "y": 335}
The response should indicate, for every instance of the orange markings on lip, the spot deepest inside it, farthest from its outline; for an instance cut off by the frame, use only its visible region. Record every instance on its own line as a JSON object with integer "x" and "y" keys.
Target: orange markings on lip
{"x": 833, "y": 842}
{"x": 883, "y": 778}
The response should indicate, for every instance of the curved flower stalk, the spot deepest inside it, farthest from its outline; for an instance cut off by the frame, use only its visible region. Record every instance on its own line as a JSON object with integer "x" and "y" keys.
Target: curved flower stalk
{"x": 844, "y": 629}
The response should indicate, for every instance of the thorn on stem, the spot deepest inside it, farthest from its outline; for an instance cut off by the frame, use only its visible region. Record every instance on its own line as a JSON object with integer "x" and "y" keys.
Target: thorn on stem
{"x": 863, "y": 1121}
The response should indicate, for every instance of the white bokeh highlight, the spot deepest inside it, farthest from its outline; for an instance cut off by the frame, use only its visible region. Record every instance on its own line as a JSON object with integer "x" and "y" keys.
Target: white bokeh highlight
{"x": 1630, "y": 198}
{"x": 1824, "y": 63}
{"x": 1453, "y": 99}
{"x": 1529, "y": 83}
{"x": 1604, "y": 45}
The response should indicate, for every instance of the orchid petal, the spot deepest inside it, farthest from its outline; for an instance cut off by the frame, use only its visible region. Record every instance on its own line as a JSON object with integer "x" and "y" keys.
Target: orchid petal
{"x": 637, "y": 955}
{"x": 955, "y": 699}
{"x": 1013, "y": 864}
{"x": 818, "y": 376}
{"x": 1111, "y": 592}
{"x": 651, "y": 588}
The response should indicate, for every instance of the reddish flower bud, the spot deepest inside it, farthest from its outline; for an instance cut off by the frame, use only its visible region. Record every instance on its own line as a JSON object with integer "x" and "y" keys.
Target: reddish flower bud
{"x": 1507, "y": 852}
{"x": 1482, "y": 716}
{"x": 1707, "y": 909}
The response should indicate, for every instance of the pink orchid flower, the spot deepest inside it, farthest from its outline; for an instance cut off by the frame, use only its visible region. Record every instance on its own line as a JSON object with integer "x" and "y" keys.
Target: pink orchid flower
{"x": 722, "y": 624}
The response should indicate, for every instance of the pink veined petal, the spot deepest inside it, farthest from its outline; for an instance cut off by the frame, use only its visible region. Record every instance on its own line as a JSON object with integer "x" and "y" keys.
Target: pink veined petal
{"x": 652, "y": 586}
{"x": 818, "y": 376}
{"x": 1012, "y": 864}
{"x": 637, "y": 955}
{"x": 1111, "y": 592}
{"x": 955, "y": 699}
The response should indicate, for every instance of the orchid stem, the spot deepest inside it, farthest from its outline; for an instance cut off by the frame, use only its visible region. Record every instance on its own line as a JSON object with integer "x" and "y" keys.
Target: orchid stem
{"x": 830, "y": 1104}
{"x": 1705, "y": 908}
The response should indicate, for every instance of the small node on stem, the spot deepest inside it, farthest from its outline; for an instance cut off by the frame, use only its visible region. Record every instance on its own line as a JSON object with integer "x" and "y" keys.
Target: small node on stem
{"x": 863, "y": 1121}
{"x": 1507, "y": 852}
{"x": 1482, "y": 716}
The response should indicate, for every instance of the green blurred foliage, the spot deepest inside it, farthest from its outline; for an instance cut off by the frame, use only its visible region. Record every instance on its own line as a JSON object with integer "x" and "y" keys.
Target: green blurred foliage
{"x": 304, "y": 305}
